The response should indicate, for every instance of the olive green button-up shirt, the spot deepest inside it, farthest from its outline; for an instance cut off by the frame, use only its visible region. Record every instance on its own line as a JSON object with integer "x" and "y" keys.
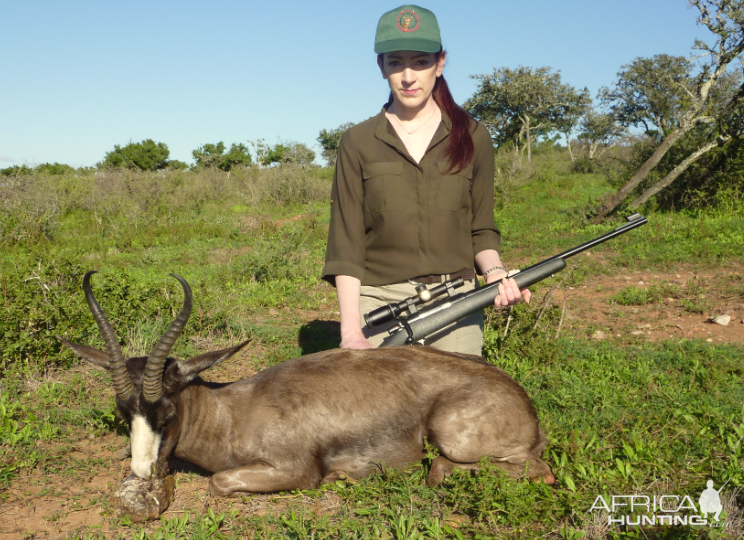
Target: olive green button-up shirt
{"x": 393, "y": 219}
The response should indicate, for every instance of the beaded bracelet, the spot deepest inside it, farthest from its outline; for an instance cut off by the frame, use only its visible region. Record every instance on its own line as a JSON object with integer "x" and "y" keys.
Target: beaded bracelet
{"x": 485, "y": 274}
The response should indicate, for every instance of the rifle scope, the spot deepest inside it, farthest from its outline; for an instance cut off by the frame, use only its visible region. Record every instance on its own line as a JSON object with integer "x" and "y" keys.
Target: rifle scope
{"x": 391, "y": 311}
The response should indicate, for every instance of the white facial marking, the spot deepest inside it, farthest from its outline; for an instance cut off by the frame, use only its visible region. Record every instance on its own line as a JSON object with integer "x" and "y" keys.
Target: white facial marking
{"x": 145, "y": 446}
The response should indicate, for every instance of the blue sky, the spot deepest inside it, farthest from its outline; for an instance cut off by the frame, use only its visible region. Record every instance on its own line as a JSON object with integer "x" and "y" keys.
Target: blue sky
{"x": 78, "y": 77}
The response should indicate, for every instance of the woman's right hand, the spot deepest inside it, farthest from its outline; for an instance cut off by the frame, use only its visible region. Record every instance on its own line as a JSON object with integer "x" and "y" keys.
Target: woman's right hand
{"x": 348, "y": 290}
{"x": 355, "y": 341}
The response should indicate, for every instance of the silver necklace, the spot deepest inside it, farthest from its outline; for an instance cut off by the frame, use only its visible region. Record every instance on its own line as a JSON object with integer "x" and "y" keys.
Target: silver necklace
{"x": 415, "y": 130}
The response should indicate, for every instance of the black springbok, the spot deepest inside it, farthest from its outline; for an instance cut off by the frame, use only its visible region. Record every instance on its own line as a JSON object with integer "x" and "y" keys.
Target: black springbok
{"x": 316, "y": 418}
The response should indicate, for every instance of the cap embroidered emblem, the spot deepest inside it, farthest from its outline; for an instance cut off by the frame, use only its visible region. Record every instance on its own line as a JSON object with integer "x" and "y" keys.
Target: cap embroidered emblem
{"x": 405, "y": 19}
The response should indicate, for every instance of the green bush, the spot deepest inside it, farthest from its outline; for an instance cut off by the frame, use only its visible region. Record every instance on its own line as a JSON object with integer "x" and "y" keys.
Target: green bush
{"x": 329, "y": 139}
{"x": 640, "y": 296}
{"x": 29, "y": 209}
{"x": 123, "y": 201}
{"x": 142, "y": 156}
{"x": 16, "y": 170}
{"x": 47, "y": 300}
{"x": 213, "y": 156}
{"x": 54, "y": 169}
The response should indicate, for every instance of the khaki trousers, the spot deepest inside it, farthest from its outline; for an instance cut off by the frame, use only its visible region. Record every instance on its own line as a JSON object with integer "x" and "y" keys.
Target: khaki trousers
{"x": 466, "y": 336}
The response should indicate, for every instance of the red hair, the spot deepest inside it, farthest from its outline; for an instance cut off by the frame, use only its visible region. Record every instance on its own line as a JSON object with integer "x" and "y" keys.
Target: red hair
{"x": 460, "y": 147}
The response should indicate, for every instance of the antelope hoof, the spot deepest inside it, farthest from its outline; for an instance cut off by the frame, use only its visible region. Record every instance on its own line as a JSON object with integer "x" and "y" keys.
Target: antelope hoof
{"x": 547, "y": 478}
{"x": 440, "y": 468}
{"x": 144, "y": 499}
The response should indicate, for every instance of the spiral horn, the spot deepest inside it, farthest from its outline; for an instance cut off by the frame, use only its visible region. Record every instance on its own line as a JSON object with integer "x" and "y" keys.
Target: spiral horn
{"x": 118, "y": 367}
{"x": 152, "y": 382}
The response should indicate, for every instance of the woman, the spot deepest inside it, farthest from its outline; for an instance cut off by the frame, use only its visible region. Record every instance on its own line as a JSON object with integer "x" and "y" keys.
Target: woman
{"x": 412, "y": 196}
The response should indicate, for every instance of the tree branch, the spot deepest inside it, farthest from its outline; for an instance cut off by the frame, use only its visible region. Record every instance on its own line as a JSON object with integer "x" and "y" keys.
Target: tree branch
{"x": 679, "y": 169}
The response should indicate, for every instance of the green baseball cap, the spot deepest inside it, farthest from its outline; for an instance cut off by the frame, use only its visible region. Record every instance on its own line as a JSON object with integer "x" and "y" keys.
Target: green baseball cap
{"x": 408, "y": 28}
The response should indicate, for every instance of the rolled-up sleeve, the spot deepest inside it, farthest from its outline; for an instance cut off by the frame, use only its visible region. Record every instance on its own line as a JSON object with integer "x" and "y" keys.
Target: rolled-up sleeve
{"x": 345, "y": 250}
{"x": 484, "y": 233}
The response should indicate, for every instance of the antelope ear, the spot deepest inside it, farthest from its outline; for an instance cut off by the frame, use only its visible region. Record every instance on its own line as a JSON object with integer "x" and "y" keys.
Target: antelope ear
{"x": 89, "y": 354}
{"x": 188, "y": 369}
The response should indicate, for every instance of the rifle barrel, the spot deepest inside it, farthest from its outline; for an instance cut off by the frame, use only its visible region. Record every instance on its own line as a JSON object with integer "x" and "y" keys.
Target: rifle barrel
{"x": 634, "y": 221}
{"x": 427, "y": 323}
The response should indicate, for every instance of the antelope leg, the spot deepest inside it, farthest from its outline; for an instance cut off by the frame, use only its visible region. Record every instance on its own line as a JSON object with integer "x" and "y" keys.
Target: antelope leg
{"x": 538, "y": 470}
{"x": 442, "y": 467}
{"x": 259, "y": 478}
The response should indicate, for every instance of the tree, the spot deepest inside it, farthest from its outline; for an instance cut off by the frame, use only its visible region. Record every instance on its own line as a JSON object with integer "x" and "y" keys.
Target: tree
{"x": 237, "y": 155}
{"x": 297, "y": 153}
{"x": 599, "y": 131}
{"x": 265, "y": 154}
{"x": 208, "y": 156}
{"x": 293, "y": 153}
{"x": 516, "y": 104}
{"x": 707, "y": 101}
{"x": 652, "y": 92}
{"x": 144, "y": 156}
{"x": 176, "y": 165}
{"x": 571, "y": 119}
{"x": 16, "y": 170}
{"x": 54, "y": 169}
{"x": 213, "y": 156}
{"x": 329, "y": 139}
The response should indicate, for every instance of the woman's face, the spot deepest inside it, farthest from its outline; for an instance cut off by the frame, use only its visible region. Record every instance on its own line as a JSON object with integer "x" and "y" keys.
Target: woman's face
{"x": 411, "y": 75}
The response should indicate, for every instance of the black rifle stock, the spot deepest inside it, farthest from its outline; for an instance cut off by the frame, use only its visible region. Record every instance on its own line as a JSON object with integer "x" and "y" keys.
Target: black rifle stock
{"x": 426, "y": 323}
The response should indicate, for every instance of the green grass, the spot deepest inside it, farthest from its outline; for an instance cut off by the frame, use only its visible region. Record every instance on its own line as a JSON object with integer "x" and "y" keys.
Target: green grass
{"x": 641, "y": 296}
{"x": 546, "y": 218}
{"x": 619, "y": 419}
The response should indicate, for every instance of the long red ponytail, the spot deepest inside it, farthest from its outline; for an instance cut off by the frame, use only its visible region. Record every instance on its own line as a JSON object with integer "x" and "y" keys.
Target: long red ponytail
{"x": 460, "y": 147}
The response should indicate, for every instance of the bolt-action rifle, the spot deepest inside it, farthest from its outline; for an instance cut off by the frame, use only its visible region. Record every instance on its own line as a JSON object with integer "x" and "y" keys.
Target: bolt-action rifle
{"x": 414, "y": 325}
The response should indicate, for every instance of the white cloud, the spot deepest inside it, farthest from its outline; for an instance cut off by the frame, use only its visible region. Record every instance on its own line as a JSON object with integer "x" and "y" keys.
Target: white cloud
{"x": 7, "y": 158}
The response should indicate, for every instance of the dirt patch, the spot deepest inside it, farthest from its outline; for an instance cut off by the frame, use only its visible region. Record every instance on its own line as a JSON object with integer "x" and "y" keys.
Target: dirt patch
{"x": 70, "y": 494}
{"x": 58, "y": 505}
{"x": 682, "y": 305}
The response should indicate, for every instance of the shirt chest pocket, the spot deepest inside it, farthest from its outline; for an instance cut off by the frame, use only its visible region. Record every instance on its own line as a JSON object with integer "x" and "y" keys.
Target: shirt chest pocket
{"x": 384, "y": 187}
{"x": 452, "y": 191}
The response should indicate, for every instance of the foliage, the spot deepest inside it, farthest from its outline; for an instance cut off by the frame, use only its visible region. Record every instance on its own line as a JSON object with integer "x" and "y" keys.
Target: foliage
{"x": 212, "y": 156}
{"x": 714, "y": 180}
{"x": 329, "y": 139}
{"x": 176, "y": 165}
{"x": 283, "y": 153}
{"x": 54, "y": 169}
{"x": 16, "y": 170}
{"x": 521, "y": 103}
{"x": 599, "y": 131}
{"x": 640, "y": 296}
{"x": 143, "y": 156}
{"x": 252, "y": 244}
{"x": 295, "y": 153}
{"x": 266, "y": 154}
{"x": 46, "y": 301}
{"x": 29, "y": 209}
{"x": 664, "y": 91}
{"x": 125, "y": 203}
{"x": 652, "y": 92}
{"x": 116, "y": 216}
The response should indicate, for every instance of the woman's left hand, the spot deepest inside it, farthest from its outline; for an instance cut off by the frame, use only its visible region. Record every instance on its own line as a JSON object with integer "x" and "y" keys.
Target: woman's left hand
{"x": 509, "y": 292}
